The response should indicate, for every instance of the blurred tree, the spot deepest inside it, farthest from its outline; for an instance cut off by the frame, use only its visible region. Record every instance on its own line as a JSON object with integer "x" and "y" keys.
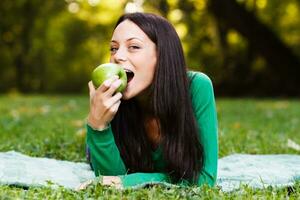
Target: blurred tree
{"x": 240, "y": 51}
{"x": 44, "y": 44}
{"x": 283, "y": 70}
{"x": 23, "y": 27}
{"x": 248, "y": 47}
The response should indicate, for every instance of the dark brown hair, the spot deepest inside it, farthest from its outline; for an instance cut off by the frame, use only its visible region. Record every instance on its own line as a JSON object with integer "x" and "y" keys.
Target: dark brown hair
{"x": 169, "y": 101}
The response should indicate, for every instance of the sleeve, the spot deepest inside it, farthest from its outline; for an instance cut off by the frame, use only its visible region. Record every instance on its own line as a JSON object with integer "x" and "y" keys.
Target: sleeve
{"x": 105, "y": 159}
{"x": 104, "y": 154}
{"x": 203, "y": 101}
{"x": 141, "y": 179}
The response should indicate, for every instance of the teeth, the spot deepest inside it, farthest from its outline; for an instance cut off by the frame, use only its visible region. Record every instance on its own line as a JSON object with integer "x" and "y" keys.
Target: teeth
{"x": 127, "y": 70}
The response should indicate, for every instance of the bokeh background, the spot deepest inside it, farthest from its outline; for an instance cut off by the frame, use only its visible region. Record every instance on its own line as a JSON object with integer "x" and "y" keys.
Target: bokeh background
{"x": 247, "y": 47}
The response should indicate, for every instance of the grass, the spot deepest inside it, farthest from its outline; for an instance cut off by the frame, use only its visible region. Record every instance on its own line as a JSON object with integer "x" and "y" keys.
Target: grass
{"x": 53, "y": 126}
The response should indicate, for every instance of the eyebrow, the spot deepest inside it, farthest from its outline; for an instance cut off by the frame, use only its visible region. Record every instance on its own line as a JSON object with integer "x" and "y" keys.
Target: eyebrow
{"x": 128, "y": 39}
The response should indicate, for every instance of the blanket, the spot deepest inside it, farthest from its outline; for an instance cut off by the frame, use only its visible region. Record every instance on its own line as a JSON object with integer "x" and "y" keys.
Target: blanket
{"x": 256, "y": 171}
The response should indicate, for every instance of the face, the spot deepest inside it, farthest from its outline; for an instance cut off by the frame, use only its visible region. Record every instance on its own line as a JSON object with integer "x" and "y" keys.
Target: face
{"x": 136, "y": 53}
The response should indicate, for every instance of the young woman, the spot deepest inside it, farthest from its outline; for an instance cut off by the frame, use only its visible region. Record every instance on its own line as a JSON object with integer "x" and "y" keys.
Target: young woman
{"x": 163, "y": 127}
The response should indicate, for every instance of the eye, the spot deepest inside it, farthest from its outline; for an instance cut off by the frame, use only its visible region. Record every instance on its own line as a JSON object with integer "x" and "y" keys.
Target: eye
{"x": 134, "y": 47}
{"x": 113, "y": 49}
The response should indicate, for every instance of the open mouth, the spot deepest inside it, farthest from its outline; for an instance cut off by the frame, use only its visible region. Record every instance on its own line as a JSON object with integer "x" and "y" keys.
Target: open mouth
{"x": 129, "y": 75}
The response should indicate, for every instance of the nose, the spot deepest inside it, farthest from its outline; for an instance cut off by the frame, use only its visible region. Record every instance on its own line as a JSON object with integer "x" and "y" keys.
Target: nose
{"x": 120, "y": 56}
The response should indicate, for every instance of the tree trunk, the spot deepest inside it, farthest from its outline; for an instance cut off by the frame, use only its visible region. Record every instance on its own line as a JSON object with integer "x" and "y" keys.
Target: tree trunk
{"x": 21, "y": 65}
{"x": 284, "y": 66}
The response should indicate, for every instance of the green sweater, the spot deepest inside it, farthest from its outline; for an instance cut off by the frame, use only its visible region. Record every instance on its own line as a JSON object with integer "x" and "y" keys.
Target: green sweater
{"x": 106, "y": 159}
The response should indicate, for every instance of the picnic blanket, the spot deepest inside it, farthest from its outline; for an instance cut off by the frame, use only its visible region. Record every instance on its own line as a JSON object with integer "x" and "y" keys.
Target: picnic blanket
{"x": 256, "y": 171}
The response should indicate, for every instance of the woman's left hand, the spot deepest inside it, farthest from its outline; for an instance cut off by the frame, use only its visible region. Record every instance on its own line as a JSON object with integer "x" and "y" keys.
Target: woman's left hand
{"x": 114, "y": 181}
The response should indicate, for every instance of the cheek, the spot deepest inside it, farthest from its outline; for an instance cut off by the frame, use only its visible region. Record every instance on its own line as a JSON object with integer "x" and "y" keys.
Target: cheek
{"x": 146, "y": 65}
{"x": 147, "y": 71}
{"x": 151, "y": 63}
{"x": 147, "y": 78}
{"x": 152, "y": 68}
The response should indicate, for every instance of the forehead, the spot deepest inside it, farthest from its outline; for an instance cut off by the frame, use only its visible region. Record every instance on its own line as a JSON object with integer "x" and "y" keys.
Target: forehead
{"x": 127, "y": 30}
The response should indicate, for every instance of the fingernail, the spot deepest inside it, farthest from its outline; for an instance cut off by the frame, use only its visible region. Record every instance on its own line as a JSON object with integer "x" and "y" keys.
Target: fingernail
{"x": 106, "y": 83}
{"x": 118, "y": 82}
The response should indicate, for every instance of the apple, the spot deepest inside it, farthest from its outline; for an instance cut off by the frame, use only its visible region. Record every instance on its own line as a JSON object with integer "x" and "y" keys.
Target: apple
{"x": 106, "y": 71}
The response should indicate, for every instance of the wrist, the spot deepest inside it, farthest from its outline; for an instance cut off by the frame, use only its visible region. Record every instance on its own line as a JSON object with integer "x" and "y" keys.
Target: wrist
{"x": 96, "y": 126}
{"x": 101, "y": 128}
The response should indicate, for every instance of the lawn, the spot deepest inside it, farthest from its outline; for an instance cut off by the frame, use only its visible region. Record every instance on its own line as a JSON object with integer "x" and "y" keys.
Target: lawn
{"x": 53, "y": 126}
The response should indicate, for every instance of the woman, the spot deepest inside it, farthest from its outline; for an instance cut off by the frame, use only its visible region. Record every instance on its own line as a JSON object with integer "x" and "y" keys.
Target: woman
{"x": 163, "y": 127}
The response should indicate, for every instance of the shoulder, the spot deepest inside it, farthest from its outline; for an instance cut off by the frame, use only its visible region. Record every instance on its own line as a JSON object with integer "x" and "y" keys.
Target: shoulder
{"x": 199, "y": 83}
{"x": 201, "y": 93}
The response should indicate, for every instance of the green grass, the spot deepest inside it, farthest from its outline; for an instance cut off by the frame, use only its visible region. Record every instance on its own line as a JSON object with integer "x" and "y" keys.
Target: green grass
{"x": 53, "y": 126}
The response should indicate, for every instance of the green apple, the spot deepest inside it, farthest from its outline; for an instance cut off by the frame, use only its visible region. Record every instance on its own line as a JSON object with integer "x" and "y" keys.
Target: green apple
{"x": 106, "y": 71}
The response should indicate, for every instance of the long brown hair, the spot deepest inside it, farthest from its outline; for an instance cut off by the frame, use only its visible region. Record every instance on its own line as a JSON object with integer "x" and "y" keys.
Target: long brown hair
{"x": 169, "y": 101}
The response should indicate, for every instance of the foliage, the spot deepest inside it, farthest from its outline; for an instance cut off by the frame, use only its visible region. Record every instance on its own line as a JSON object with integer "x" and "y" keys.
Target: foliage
{"x": 54, "y": 127}
{"x": 52, "y": 46}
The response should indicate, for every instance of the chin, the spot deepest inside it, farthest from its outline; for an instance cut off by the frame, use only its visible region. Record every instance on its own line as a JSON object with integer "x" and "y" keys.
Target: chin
{"x": 129, "y": 91}
{"x": 126, "y": 95}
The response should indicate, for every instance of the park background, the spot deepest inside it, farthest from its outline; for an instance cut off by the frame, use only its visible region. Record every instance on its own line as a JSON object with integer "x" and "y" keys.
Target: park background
{"x": 249, "y": 48}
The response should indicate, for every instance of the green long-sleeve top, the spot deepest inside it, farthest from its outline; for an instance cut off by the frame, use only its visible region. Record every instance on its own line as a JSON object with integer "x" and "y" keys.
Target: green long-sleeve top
{"x": 106, "y": 159}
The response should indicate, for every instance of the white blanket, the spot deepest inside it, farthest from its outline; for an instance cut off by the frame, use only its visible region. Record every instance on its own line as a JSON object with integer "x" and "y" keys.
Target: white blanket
{"x": 257, "y": 171}
{"x": 22, "y": 170}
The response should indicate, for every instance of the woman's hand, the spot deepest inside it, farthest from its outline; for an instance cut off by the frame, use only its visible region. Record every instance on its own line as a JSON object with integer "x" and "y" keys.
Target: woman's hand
{"x": 114, "y": 181}
{"x": 104, "y": 103}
